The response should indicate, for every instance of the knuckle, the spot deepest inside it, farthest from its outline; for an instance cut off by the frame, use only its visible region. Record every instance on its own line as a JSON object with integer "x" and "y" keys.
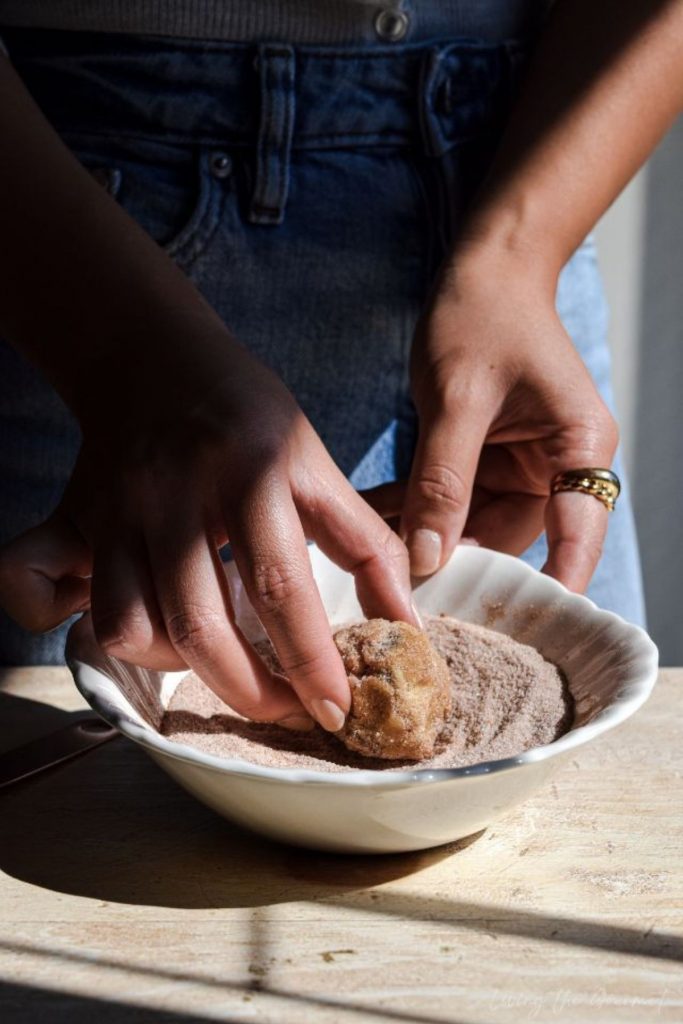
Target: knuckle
{"x": 459, "y": 388}
{"x": 461, "y": 392}
{"x": 391, "y": 547}
{"x": 609, "y": 430}
{"x": 255, "y": 710}
{"x": 386, "y": 551}
{"x": 259, "y": 457}
{"x": 443, "y": 487}
{"x": 305, "y": 666}
{"x": 274, "y": 584}
{"x": 267, "y": 449}
{"x": 195, "y": 629}
{"x": 593, "y": 438}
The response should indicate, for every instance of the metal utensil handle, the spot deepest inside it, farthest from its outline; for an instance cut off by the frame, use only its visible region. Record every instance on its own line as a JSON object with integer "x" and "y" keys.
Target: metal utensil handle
{"x": 56, "y": 747}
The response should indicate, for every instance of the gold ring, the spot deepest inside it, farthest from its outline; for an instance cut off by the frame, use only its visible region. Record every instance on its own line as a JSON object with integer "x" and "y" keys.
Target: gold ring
{"x": 603, "y": 484}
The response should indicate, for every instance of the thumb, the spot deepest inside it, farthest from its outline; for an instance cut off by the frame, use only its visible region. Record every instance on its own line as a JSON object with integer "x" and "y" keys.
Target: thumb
{"x": 44, "y": 575}
{"x": 439, "y": 490}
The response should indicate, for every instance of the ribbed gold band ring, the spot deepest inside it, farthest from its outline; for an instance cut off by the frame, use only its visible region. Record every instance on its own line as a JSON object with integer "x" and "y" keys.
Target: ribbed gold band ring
{"x": 602, "y": 484}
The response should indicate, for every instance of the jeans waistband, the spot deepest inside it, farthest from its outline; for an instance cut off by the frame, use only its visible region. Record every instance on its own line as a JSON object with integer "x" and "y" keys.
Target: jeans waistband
{"x": 274, "y": 97}
{"x": 186, "y": 90}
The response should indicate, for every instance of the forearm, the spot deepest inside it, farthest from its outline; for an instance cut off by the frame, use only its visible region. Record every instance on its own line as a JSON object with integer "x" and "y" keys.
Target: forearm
{"x": 603, "y": 87}
{"x": 84, "y": 292}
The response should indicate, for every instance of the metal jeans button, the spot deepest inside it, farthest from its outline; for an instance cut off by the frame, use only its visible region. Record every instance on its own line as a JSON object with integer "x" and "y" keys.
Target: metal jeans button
{"x": 391, "y": 25}
{"x": 221, "y": 165}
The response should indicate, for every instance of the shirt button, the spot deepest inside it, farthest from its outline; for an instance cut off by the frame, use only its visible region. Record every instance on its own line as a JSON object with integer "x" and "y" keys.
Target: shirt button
{"x": 391, "y": 25}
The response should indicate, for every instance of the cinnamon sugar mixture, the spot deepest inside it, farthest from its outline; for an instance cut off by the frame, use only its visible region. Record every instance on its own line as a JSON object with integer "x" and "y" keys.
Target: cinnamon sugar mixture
{"x": 506, "y": 699}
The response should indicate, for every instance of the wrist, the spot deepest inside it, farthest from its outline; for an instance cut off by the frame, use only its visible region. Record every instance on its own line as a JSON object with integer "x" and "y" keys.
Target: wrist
{"x": 489, "y": 265}
{"x": 512, "y": 237}
{"x": 147, "y": 361}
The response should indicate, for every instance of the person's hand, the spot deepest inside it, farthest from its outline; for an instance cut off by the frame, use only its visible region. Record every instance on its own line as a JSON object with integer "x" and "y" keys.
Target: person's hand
{"x": 206, "y": 448}
{"x": 504, "y": 403}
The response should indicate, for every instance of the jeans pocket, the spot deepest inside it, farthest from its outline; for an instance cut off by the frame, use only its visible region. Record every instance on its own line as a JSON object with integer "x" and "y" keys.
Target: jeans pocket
{"x": 174, "y": 192}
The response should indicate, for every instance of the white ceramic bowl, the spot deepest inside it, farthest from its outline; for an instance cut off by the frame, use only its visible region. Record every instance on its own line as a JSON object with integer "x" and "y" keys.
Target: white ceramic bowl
{"x": 611, "y": 667}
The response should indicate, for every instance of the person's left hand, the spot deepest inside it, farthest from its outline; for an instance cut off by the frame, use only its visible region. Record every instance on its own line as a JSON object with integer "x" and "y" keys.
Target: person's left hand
{"x": 504, "y": 403}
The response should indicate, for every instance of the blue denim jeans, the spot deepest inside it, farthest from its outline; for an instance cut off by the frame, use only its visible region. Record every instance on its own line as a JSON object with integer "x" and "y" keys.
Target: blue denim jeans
{"x": 310, "y": 193}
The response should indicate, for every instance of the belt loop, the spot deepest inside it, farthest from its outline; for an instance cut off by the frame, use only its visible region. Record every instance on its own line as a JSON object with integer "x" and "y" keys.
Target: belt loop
{"x": 276, "y": 66}
{"x": 430, "y": 81}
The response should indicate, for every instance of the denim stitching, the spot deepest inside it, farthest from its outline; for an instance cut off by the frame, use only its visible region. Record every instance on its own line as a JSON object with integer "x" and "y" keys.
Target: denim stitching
{"x": 354, "y": 51}
{"x": 311, "y": 141}
{"x": 193, "y": 237}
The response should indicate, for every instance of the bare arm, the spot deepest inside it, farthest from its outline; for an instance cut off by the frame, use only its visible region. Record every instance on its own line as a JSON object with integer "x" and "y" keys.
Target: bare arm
{"x": 604, "y": 85}
{"x": 124, "y": 337}
{"x": 85, "y": 294}
{"x": 504, "y": 400}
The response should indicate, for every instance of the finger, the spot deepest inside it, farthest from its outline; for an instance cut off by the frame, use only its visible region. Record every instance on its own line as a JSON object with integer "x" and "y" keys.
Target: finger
{"x": 192, "y": 594}
{"x": 126, "y": 618}
{"x": 44, "y": 575}
{"x": 437, "y": 501}
{"x": 347, "y": 529}
{"x": 269, "y": 547}
{"x": 508, "y": 523}
{"x": 576, "y": 525}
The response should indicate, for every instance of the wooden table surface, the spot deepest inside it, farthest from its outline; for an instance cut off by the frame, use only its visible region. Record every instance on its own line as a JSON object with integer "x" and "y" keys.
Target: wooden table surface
{"x": 123, "y": 899}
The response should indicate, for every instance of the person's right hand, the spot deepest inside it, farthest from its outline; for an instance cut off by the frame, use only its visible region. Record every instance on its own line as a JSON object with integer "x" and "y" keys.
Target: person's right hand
{"x": 206, "y": 448}
{"x": 187, "y": 442}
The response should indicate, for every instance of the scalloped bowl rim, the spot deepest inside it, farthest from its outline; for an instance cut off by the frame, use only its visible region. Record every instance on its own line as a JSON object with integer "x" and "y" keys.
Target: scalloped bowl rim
{"x": 617, "y": 711}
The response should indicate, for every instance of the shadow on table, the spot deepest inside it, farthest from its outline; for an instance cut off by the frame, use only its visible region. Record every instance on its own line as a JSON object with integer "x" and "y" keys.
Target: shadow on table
{"x": 113, "y": 827}
{"x": 27, "y": 1004}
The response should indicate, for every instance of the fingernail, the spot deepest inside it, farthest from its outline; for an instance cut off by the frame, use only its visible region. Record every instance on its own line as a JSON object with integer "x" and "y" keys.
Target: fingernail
{"x": 424, "y": 547}
{"x": 418, "y": 617}
{"x": 469, "y": 542}
{"x": 329, "y": 714}
{"x": 297, "y": 723}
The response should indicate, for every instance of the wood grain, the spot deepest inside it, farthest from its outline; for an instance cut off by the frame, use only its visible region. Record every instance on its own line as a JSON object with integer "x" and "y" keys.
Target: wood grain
{"x": 125, "y": 900}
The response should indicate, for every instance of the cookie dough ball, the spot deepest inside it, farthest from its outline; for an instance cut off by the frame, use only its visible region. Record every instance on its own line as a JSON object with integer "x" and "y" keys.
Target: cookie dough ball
{"x": 400, "y": 690}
